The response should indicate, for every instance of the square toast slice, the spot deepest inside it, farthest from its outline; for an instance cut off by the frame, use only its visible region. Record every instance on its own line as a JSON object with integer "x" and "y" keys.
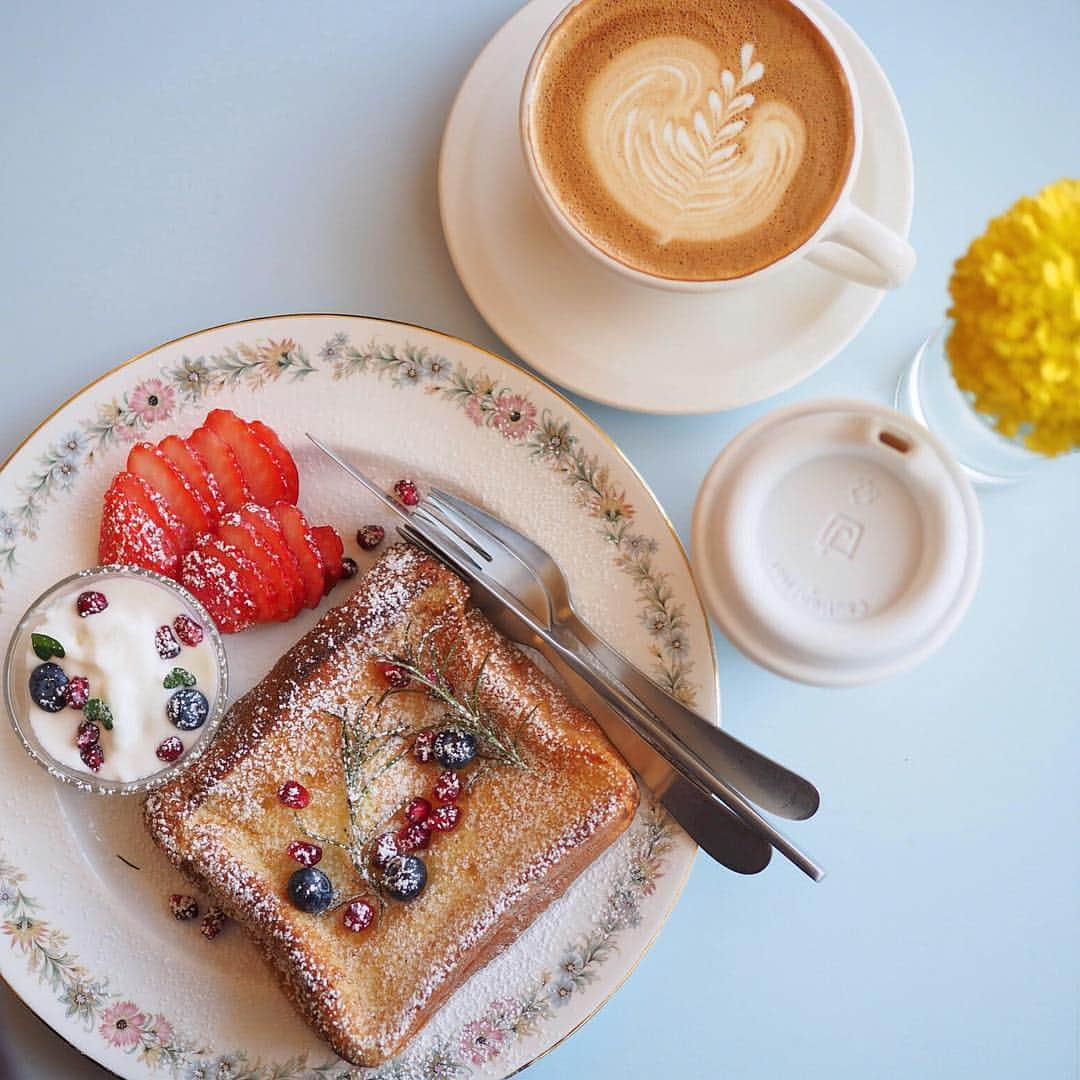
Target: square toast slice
{"x": 524, "y": 835}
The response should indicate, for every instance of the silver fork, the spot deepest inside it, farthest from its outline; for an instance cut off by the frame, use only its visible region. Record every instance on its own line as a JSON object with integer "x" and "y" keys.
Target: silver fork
{"x": 700, "y": 798}
{"x": 538, "y": 581}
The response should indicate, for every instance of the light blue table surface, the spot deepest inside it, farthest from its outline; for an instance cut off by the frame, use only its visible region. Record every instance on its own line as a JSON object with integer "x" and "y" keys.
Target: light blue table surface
{"x": 168, "y": 167}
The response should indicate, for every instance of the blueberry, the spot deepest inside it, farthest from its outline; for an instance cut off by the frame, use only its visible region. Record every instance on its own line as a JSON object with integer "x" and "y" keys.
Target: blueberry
{"x": 404, "y": 877}
{"x": 48, "y": 686}
{"x": 188, "y": 709}
{"x": 454, "y": 749}
{"x": 310, "y": 890}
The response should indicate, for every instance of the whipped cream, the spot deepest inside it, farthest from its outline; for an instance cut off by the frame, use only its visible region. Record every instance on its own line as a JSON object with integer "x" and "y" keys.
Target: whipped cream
{"x": 115, "y": 650}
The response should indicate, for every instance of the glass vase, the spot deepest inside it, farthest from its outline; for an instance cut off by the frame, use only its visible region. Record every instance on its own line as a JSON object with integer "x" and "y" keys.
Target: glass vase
{"x": 928, "y": 392}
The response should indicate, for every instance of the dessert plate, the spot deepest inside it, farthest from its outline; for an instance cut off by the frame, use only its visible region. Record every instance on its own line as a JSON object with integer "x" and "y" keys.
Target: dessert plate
{"x": 93, "y": 949}
{"x": 611, "y": 339}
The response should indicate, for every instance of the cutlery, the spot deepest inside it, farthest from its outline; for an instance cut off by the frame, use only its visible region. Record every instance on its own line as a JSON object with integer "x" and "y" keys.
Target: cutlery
{"x": 537, "y": 580}
{"x": 442, "y": 542}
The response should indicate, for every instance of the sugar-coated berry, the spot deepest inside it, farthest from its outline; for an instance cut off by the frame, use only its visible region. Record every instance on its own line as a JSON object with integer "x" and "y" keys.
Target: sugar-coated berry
{"x": 168, "y": 648}
{"x": 404, "y": 877}
{"x": 359, "y": 915}
{"x": 396, "y": 677}
{"x": 183, "y": 906}
{"x": 454, "y": 749}
{"x": 414, "y": 837}
{"x": 369, "y": 537}
{"x": 445, "y": 818}
{"x": 170, "y": 749}
{"x": 418, "y": 810}
{"x": 93, "y": 757}
{"x": 90, "y": 602}
{"x": 212, "y": 923}
{"x": 448, "y": 786}
{"x": 87, "y": 734}
{"x": 349, "y": 569}
{"x": 423, "y": 746}
{"x": 384, "y": 849}
{"x": 187, "y": 709}
{"x": 188, "y": 630}
{"x": 48, "y": 686}
{"x": 310, "y": 890}
{"x": 78, "y": 691}
{"x": 304, "y": 852}
{"x": 406, "y": 493}
{"x": 294, "y": 794}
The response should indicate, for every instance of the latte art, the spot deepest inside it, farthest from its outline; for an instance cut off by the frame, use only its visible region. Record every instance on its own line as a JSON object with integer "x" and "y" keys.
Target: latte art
{"x": 694, "y": 140}
{"x": 684, "y": 146}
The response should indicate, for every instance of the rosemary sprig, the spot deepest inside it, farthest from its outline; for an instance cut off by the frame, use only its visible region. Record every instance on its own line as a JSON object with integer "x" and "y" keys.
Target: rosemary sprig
{"x": 427, "y": 670}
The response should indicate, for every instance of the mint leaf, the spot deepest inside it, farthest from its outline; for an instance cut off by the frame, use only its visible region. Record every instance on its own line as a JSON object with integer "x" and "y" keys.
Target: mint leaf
{"x": 96, "y": 709}
{"x": 178, "y": 677}
{"x": 45, "y": 647}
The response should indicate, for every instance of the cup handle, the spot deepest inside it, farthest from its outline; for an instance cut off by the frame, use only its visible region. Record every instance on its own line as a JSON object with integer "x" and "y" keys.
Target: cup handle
{"x": 863, "y": 250}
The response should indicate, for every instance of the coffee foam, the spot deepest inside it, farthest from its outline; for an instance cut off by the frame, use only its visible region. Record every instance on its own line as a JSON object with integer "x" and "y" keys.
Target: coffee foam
{"x": 692, "y": 140}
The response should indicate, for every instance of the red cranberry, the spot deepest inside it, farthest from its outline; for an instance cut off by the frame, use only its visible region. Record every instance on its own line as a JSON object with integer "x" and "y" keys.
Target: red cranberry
{"x": 88, "y": 734}
{"x": 448, "y": 787}
{"x": 349, "y": 569}
{"x": 423, "y": 746}
{"x": 169, "y": 749}
{"x": 414, "y": 837}
{"x": 396, "y": 677}
{"x": 188, "y": 630}
{"x": 359, "y": 915}
{"x": 305, "y": 853}
{"x": 93, "y": 757}
{"x": 418, "y": 810}
{"x": 384, "y": 849}
{"x": 168, "y": 648}
{"x": 77, "y": 691}
{"x": 406, "y": 493}
{"x": 369, "y": 537}
{"x": 294, "y": 794}
{"x": 90, "y": 603}
{"x": 183, "y": 907}
{"x": 445, "y": 818}
{"x": 212, "y": 922}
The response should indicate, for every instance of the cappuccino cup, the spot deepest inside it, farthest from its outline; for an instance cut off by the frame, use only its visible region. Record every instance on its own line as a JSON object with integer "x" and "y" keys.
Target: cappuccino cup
{"x": 696, "y": 145}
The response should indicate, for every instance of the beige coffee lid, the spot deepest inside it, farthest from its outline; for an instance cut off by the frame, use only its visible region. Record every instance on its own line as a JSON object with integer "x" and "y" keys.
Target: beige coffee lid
{"x": 836, "y": 542}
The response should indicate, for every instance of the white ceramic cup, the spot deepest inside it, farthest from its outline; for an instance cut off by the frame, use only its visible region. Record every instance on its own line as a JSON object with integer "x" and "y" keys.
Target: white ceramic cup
{"x": 848, "y": 242}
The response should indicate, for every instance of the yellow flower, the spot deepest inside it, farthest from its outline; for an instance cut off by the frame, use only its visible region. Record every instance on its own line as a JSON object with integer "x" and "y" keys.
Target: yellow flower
{"x": 1015, "y": 343}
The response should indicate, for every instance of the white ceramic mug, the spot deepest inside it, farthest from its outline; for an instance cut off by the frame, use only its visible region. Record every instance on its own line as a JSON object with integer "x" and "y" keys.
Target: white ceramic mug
{"x": 848, "y": 242}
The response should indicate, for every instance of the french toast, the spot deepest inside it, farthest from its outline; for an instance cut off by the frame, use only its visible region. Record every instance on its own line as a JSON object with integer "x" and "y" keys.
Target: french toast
{"x": 525, "y": 832}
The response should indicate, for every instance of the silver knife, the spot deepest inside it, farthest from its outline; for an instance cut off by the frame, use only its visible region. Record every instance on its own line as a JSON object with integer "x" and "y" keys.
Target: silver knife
{"x": 647, "y": 727}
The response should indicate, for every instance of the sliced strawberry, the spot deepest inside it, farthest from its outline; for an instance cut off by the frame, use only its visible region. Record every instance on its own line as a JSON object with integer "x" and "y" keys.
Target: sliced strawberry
{"x": 268, "y": 530}
{"x": 190, "y": 465}
{"x": 142, "y": 494}
{"x": 212, "y": 575}
{"x": 260, "y": 468}
{"x": 298, "y": 536}
{"x": 269, "y": 438}
{"x": 221, "y": 461}
{"x": 243, "y": 537}
{"x": 132, "y": 532}
{"x": 159, "y": 472}
{"x": 332, "y": 549}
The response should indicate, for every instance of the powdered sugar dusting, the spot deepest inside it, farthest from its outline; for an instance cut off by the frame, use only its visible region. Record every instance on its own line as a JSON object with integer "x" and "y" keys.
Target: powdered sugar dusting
{"x": 524, "y": 835}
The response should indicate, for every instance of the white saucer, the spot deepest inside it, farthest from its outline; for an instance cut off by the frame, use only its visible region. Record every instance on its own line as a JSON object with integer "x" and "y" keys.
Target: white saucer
{"x": 613, "y": 340}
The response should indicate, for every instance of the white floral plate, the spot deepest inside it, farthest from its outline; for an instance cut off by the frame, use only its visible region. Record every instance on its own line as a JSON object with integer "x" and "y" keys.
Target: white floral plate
{"x": 611, "y": 339}
{"x": 92, "y": 947}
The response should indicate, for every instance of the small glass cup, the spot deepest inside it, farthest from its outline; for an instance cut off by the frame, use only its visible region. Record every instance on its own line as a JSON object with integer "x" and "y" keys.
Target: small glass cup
{"x": 17, "y": 694}
{"x": 928, "y": 392}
